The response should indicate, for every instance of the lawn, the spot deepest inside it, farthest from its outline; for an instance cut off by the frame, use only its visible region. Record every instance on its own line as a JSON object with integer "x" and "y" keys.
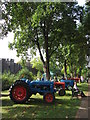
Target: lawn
{"x": 63, "y": 107}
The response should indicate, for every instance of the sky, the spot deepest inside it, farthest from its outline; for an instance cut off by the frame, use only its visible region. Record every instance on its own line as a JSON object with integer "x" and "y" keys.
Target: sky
{"x": 5, "y": 52}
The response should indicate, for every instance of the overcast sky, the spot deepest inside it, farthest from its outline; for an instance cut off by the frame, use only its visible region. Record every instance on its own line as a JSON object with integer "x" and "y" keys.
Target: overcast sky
{"x": 5, "y": 52}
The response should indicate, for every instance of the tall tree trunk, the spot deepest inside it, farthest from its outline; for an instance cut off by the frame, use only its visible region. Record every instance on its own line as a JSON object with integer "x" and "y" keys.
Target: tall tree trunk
{"x": 71, "y": 70}
{"x": 75, "y": 72}
{"x": 45, "y": 32}
{"x": 47, "y": 67}
{"x": 80, "y": 70}
{"x": 65, "y": 69}
{"x": 46, "y": 70}
{"x": 47, "y": 61}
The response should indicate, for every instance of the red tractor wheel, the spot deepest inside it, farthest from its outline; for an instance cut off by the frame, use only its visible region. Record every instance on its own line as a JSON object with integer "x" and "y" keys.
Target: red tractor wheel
{"x": 49, "y": 97}
{"x": 19, "y": 92}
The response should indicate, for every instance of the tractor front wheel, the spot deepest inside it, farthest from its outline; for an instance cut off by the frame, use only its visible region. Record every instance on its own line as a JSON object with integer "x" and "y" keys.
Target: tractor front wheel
{"x": 19, "y": 92}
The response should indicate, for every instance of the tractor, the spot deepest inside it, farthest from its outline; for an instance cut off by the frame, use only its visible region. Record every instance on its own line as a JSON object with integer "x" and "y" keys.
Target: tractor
{"x": 68, "y": 84}
{"x": 23, "y": 89}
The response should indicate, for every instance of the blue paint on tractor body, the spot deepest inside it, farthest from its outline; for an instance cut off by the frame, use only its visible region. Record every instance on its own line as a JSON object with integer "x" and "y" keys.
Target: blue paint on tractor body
{"x": 68, "y": 83}
{"x": 37, "y": 86}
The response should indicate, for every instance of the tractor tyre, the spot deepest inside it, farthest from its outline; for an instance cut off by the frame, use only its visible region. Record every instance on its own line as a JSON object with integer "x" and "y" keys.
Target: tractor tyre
{"x": 49, "y": 97}
{"x": 61, "y": 92}
{"x": 19, "y": 92}
{"x": 17, "y": 81}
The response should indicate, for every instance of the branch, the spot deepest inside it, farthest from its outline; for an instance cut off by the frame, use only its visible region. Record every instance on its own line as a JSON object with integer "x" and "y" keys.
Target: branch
{"x": 53, "y": 51}
{"x": 31, "y": 39}
{"x": 38, "y": 45}
{"x": 51, "y": 45}
{"x": 43, "y": 28}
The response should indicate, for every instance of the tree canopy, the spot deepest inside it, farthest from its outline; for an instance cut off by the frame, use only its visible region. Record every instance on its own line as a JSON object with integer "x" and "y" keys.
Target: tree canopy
{"x": 37, "y": 63}
{"x": 50, "y": 28}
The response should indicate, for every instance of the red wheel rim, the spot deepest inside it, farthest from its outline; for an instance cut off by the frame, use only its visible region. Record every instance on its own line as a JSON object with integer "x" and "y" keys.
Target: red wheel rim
{"x": 49, "y": 98}
{"x": 19, "y": 93}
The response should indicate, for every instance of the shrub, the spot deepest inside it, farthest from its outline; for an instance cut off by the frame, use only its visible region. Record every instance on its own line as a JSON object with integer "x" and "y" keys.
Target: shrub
{"x": 27, "y": 74}
{"x": 7, "y": 80}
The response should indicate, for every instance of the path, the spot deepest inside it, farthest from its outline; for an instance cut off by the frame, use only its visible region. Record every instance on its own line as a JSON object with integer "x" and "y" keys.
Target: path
{"x": 84, "y": 109}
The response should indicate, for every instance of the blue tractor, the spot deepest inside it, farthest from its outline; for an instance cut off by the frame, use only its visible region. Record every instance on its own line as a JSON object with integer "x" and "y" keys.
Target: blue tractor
{"x": 23, "y": 89}
{"x": 68, "y": 83}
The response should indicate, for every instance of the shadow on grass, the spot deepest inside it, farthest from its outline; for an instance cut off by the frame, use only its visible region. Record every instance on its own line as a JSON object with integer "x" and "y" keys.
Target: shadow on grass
{"x": 36, "y": 108}
{"x": 7, "y": 102}
{"x": 34, "y": 101}
{"x": 40, "y": 102}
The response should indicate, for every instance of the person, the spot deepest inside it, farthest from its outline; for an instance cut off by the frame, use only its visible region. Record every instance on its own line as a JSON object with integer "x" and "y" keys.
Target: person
{"x": 43, "y": 78}
{"x": 75, "y": 87}
{"x": 77, "y": 90}
{"x": 82, "y": 79}
{"x": 87, "y": 79}
{"x": 22, "y": 76}
{"x": 51, "y": 79}
{"x": 40, "y": 78}
{"x": 55, "y": 79}
{"x": 63, "y": 77}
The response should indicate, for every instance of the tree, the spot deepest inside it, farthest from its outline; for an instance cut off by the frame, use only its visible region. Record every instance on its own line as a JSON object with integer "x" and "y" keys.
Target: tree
{"x": 37, "y": 63}
{"x": 86, "y": 18}
{"x": 86, "y": 25}
{"x": 41, "y": 26}
{"x": 73, "y": 52}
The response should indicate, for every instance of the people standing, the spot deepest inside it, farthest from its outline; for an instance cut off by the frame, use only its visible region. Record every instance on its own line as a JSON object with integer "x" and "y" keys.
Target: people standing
{"x": 82, "y": 79}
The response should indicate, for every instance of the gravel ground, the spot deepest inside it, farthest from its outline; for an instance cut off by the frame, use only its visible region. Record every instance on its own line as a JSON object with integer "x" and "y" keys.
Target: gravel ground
{"x": 84, "y": 109}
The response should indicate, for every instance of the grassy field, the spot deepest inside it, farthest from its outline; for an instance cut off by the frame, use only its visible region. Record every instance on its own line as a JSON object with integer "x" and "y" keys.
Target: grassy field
{"x": 63, "y": 107}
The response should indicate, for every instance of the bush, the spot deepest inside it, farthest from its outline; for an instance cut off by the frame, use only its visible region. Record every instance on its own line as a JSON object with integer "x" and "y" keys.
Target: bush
{"x": 7, "y": 80}
{"x": 26, "y": 73}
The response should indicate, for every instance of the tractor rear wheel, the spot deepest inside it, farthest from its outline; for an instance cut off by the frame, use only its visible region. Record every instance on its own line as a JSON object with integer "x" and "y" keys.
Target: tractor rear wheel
{"x": 19, "y": 92}
{"x": 49, "y": 97}
{"x": 61, "y": 92}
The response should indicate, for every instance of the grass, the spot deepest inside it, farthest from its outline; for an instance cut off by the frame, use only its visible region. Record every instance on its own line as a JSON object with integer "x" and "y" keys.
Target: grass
{"x": 63, "y": 107}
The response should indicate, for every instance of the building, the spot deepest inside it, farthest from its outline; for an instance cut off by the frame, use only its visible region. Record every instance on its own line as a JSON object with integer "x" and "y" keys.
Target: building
{"x": 7, "y": 65}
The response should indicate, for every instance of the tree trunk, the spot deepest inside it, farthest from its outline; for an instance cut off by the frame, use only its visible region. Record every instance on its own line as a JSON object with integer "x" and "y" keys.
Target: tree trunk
{"x": 80, "y": 70}
{"x": 71, "y": 70}
{"x": 46, "y": 50}
{"x": 47, "y": 62}
{"x": 75, "y": 72}
{"x": 47, "y": 69}
{"x": 65, "y": 69}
